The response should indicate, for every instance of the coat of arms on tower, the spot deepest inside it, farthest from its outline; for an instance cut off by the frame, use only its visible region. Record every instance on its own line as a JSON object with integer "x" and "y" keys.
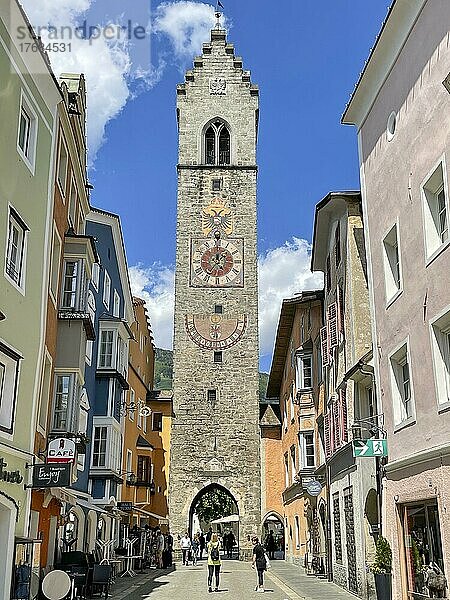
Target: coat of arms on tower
{"x": 217, "y": 216}
{"x": 217, "y": 86}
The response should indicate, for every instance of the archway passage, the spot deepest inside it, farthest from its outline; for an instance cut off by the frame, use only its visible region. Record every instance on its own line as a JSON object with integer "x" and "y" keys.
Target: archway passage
{"x": 273, "y": 536}
{"x": 214, "y": 509}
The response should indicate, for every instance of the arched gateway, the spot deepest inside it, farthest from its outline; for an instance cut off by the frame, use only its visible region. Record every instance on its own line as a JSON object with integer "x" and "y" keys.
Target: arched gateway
{"x": 215, "y": 433}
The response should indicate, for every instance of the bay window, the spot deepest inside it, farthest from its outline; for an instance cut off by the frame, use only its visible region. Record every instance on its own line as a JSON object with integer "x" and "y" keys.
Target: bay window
{"x": 74, "y": 288}
{"x": 66, "y": 403}
{"x": 113, "y": 351}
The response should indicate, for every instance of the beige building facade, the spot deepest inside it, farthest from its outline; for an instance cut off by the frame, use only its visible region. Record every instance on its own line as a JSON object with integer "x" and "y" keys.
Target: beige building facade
{"x": 401, "y": 110}
{"x": 349, "y": 403}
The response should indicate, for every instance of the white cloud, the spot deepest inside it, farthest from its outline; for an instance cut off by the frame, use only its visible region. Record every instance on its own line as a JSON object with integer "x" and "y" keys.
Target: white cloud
{"x": 116, "y": 70}
{"x": 187, "y": 25}
{"x": 155, "y": 285}
{"x": 283, "y": 272}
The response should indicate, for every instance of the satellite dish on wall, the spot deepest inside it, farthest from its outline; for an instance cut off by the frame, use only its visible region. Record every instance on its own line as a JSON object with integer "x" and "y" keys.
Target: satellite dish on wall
{"x": 56, "y": 585}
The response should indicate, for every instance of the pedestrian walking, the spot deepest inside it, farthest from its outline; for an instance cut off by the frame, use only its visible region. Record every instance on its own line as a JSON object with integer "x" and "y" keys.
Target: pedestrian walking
{"x": 185, "y": 545}
{"x": 270, "y": 545}
{"x": 202, "y": 544}
{"x": 259, "y": 563}
{"x": 159, "y": 548}
{"x": 230, "y": 545}
{"x": 195, "y": 548}
{"x": 208, "y": 535}
{"x": 214, "y": 562}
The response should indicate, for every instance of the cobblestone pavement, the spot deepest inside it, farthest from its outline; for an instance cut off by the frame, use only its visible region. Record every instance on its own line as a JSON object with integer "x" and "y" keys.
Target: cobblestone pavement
{"x": 237, "y": 582}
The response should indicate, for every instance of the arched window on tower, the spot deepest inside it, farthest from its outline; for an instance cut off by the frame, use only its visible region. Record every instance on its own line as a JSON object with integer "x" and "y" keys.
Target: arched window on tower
{"x": 210, "y": 146}
{"x": 217, "y": 144}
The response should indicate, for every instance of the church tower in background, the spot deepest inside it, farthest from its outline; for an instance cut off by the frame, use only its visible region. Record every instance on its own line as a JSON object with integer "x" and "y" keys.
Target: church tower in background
{"x": 215, "y": 436}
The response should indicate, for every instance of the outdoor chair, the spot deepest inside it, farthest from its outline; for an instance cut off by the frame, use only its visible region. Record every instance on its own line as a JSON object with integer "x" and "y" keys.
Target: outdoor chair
{"x": 101, "y": 578}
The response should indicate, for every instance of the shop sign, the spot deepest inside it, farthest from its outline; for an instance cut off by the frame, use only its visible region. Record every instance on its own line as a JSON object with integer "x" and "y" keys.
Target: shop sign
{"x": 9, "y": 476}
{"x": 47, "y": 476}
{"x": 369, "y": 448}
{"x": 125, "y": 506}
{"x": 313, "y": 487}
{"x": 61, "y": 450}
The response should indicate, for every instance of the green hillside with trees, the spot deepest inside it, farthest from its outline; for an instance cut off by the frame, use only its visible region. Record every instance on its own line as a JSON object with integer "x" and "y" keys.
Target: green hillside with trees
{"x": 164, "y": 373}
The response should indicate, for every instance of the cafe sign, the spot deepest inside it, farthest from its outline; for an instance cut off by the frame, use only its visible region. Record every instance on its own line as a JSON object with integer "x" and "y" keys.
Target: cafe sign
{"x": 61, "y": 450}
{"x": 53, "y": 475}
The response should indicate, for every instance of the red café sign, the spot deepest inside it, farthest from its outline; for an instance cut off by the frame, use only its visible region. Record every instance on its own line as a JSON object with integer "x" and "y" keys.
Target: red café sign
{"x": 61, "y": 450}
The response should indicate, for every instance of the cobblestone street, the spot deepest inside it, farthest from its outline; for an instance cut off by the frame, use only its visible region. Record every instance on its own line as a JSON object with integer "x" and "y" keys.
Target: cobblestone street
{"x": 237, "y": 581}
{"x": 283, "y": 582}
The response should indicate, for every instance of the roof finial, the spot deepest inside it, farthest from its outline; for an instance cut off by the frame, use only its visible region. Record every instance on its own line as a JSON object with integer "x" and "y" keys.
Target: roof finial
{"x": 219, "y": 5}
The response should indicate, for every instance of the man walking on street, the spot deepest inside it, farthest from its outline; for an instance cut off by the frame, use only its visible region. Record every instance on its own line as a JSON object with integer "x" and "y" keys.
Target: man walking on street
{"x": 185, "y": 545}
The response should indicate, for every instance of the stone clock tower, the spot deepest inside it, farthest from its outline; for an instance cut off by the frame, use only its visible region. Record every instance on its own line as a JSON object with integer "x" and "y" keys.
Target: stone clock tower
{"x": 215, "y": 434}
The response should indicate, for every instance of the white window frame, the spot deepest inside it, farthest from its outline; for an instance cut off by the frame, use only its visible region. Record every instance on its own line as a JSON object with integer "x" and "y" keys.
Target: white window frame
{"x": 28, "y": 157}
{"x": 393, "y": 288}
{"x": 302, "y": 447}
{"x": 116, "y": 304}
{"x": 62, "y": 185}
{"x": 434, "y": 183}
{"x": 55, "y": 267}
{"x": 9, "y": 383}
{"x": 293, "y": 458}
{"x": 397, "y": 360}
{"x": 129, "y": 464}
{"x": 73, "y": 404}
{"x": 73, "y": 204}
{"x": 95, "y": 275}
{"x": 286, "y": 469}
{"x": 440, "y": 345}
{"x": 107, "y": 289}
{"x": 300, "y": 370}
{"x": 80, "y": 291}
{"x": 102, "y": 364}
{"x": 15, "y": 221}
{"x": 119, "y": 356}
{"x": 100, "y": 439}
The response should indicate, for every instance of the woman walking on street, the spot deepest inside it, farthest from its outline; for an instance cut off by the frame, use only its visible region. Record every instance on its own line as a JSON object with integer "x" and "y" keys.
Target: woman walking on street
{"x": 259, "y": 562}
{"x": 214, "y": 562}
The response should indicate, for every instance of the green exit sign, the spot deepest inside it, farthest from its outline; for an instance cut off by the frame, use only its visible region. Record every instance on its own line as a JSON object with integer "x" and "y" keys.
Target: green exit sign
{"x": 369, "y": 448}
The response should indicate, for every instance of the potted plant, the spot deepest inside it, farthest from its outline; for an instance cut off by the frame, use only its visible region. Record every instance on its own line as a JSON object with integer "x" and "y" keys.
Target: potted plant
{"x": 382, "y": 569}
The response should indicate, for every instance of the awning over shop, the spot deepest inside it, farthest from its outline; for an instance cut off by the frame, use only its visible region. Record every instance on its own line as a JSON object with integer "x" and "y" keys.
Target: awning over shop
{"x": 146, "y": 513}
{"x": 90, "y": 506}
{"x": 229, "y": 519}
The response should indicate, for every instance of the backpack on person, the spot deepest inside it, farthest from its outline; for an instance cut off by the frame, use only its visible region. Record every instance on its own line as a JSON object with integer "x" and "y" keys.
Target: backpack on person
{"x": 215, "y": 555}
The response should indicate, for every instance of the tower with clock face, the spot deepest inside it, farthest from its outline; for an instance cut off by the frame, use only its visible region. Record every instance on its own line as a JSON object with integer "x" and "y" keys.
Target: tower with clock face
{"x": 215, "y": 434}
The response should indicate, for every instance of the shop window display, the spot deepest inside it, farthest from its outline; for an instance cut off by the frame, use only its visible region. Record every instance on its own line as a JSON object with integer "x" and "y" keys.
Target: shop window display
{"x": 423, "y": 548}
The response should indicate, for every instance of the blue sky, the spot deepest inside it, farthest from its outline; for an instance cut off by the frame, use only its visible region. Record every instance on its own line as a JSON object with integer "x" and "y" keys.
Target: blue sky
{"x": 306, "y": 57}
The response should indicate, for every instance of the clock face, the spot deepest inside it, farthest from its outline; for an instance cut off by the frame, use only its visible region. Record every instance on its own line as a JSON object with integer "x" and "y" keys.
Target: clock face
{"x": 217, "y": 263}
{"x": 215, "y": 332}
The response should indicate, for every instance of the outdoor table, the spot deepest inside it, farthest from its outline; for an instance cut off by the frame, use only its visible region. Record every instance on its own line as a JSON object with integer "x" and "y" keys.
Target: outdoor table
{"x": 129, "y": 571}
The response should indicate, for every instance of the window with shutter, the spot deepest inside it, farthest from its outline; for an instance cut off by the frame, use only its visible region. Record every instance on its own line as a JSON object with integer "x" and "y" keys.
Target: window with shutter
{"x": 343, "y": 415}
{"x": 336, "y": 427}
{"x": 332, "y": 325}
{"x": 324, "y": 344}
{"x": 341, "y": 308}
{"x": 326, "y": 430}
